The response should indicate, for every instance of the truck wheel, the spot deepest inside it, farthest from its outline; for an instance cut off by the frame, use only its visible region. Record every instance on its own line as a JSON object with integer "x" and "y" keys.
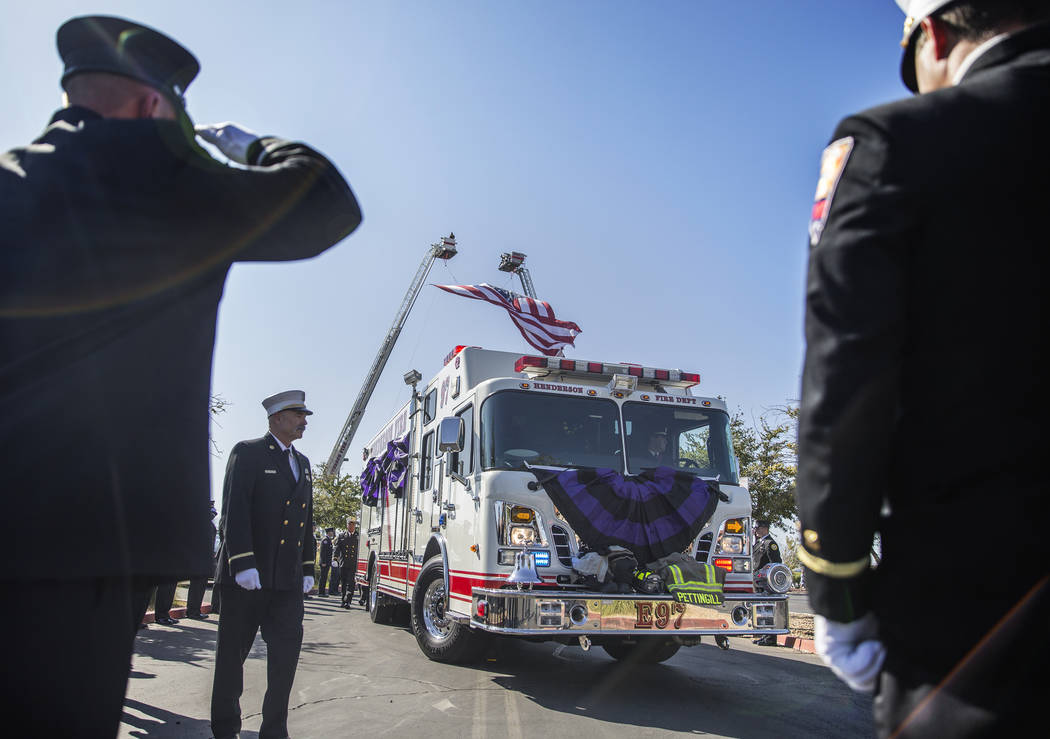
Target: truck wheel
{"x": 379, "y": 606}
{"x": 644, "y": 650}
{"x": 440, "y": 638}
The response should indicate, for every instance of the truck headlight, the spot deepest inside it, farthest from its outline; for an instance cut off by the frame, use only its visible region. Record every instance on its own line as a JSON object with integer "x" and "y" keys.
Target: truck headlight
{"x": 518, "y": 526}
{"x": 732, "y": 545}
{"x": 522, "y": 535}
{"x": 732, "y": 538}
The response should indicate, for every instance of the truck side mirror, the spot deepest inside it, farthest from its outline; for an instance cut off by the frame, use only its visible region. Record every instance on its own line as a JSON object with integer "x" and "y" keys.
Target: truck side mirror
{"x": 450, "y": 434}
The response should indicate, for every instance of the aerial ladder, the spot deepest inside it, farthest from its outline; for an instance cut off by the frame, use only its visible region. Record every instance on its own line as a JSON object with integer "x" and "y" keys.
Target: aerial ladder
{"x": 444, "y": 249}
{"x": 514, "y": 262}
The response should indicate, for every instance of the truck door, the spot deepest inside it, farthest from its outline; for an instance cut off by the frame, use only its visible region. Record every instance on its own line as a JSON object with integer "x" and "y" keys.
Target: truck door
{"x": 459, "y": 466}
{"x": 422, "y": 516}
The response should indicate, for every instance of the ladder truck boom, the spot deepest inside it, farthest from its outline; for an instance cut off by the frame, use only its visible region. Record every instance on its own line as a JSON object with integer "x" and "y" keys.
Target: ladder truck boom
{"x": 444, "y": 249}
{"x": 514, "y": 262}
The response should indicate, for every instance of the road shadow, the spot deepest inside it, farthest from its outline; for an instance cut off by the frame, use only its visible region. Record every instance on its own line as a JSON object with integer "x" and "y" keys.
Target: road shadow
{"x": 150, "y": 721}
{"x": 699, "y": 690}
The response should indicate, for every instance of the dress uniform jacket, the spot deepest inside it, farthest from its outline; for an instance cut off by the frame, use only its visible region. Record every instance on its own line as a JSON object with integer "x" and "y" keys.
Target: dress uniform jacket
{"x": 766, "y": 551}
{"x": 346, "y": 549}
{"x": 115, "y": 240}
{"x": 267, "y": 517}
{"x": 922, "y": 391}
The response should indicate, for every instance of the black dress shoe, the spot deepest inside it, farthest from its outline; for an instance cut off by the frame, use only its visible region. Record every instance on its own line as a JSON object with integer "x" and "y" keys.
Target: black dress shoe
{"x": 199, "y": 616}
{"x": 167, "y": 621}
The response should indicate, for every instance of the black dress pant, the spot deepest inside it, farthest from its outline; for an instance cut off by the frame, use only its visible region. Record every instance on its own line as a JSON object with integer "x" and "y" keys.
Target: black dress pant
{"x": 996, "y": 690}
{"x": 67, "y": 679}
{"x": 164, "y": 600}
{"x": 323, "y": 582}
{"x": 279, "y": 615}
{"x": 195, "y": 596}
{"x": 346, "y": 582}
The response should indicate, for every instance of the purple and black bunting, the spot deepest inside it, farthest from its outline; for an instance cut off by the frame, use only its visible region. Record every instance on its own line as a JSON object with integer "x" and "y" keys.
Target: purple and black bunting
{"x": 654, "y": 514}
{"x": 386, "y": 473}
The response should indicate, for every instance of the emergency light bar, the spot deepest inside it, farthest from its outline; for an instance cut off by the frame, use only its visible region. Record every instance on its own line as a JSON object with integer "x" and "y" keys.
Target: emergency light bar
{"x": 539, "y": 364}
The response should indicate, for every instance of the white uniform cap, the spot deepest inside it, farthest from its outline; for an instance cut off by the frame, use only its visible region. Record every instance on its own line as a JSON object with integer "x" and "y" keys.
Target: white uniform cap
{"x": 288, "y": 400}
{"x": 916, "y": 11}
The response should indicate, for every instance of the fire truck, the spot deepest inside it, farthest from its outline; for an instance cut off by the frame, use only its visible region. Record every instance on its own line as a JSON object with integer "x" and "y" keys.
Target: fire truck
{"x": 470, "y": 546}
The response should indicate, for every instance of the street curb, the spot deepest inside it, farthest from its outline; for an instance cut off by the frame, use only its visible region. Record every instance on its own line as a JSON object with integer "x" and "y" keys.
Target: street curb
{"x": 179, "y": 612}
{"x": 797, "y": 643}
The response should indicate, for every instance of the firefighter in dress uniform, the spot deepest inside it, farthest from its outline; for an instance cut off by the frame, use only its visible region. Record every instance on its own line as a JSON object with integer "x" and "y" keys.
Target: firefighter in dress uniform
{"x": 346, "y": 554}
{"x": 118, "y": 232}
{"x": 266, "y": 565}
{"x": 765, "y": 551}
{"x": 925, "y": 301}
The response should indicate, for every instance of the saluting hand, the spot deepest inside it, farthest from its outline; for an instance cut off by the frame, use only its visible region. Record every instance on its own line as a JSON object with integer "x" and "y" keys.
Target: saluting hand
{"x": 249, "y": 579}
{"x": 229, "y": 138}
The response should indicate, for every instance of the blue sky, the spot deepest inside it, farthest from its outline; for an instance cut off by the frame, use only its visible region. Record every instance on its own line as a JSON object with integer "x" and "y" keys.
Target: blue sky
{"x": 656, "y": 161}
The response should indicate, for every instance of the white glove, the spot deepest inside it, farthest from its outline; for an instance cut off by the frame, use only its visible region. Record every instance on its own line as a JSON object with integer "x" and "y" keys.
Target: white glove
{"x": 248, "y": 579}
{"x": 230, "y": 139}
{"x": 852, "y": 651}
{"x": 308, "y": 584}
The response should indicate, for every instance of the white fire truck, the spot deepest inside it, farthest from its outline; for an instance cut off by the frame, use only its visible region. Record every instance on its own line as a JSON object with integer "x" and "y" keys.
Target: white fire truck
{"x": 456, "y": 550}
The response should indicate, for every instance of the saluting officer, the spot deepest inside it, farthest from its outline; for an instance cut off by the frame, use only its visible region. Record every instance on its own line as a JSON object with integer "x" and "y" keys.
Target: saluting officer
{"x": 924, "y": 373}
{"x": 766, "y": 549}
{"x": 117, "y": 230}
{"x": 266, "y": 565}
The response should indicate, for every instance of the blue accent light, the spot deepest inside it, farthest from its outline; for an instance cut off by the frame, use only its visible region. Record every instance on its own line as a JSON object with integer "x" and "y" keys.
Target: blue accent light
{"x": 543, "y": 558}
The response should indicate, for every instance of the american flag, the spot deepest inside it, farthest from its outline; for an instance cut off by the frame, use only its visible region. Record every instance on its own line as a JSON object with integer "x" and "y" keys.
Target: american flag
{"x": 534, "y": 318}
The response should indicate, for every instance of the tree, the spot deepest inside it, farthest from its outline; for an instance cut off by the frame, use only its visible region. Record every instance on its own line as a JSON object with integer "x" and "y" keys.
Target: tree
{"x": 768, "y": 457}
{"x": 216, "y": 406}
{"x": 336, "y": 498}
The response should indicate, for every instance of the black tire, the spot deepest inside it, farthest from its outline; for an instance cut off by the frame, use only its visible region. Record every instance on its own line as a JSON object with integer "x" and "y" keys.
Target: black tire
{"x": 439, "y": 637}
{"x": 380, "y": 608}
{"x": 644, "y": 650}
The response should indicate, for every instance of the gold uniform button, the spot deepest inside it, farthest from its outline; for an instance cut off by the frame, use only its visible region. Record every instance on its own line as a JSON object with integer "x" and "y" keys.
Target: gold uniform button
{"x": 286, "y": 522}
{"x": 301, "y": 525}
{"x": 282, "y": 541}
{"x": 287, "y": 502}
{"x": 304, "y": 505}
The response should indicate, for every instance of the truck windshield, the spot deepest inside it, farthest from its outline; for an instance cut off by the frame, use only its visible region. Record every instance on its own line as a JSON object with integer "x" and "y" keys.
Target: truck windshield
{"x": 556, "y": 430}
{"x": 692, "y": 439}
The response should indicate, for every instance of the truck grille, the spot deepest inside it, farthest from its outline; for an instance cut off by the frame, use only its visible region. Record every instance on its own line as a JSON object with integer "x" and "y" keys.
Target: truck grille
{"x": 703, "y": 548}
{"x": 561, "y": 545}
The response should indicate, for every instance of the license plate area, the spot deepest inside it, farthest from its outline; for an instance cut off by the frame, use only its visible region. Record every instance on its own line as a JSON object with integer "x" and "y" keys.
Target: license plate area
{"x": 655, "y": 615}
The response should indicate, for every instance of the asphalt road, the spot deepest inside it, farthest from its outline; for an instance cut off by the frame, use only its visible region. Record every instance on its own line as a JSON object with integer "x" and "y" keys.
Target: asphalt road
{"x": 355, "y": 676}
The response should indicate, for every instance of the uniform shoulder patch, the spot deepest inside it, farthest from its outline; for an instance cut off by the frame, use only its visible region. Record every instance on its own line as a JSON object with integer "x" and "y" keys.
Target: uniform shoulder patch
{"x": 832, "y": 162}
{"x": 773, "y": 546}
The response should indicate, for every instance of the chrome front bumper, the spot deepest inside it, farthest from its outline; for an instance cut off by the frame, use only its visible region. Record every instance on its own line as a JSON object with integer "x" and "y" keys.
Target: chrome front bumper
{"x": 555, "y": 613}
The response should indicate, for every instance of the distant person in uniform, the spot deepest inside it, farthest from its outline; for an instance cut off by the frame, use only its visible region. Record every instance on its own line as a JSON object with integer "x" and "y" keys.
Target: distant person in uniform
{"x": 266, "y": 565}
{"x": 925, "y": 311}
{"x": 198, "y": 585}
{"x": 118, "y": 231}
{"x": 655, "y": 454}
{"x": 325, "y": 562}
{"x": 165, "y": 599}
{"x": 346, "y": 554}
{"x": 765, "y": 551}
